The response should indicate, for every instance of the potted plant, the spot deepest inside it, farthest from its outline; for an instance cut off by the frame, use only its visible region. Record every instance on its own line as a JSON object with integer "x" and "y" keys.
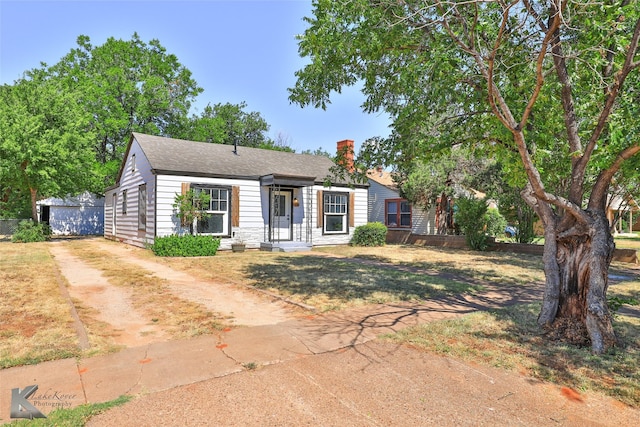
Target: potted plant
{"x": 238, "y": 245}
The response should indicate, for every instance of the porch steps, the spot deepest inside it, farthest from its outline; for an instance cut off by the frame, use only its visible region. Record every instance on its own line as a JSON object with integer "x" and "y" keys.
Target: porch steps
{"x": 285, "y": 246}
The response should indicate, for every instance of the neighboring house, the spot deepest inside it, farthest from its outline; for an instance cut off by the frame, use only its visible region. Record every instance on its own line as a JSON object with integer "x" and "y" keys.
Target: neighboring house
{"x": 624, "y": 212}
{"x": 271, "y": 200}
{"x": 73, "y": 216}
{"x": 386, "y": 206}
{"x": 398, "y": 214}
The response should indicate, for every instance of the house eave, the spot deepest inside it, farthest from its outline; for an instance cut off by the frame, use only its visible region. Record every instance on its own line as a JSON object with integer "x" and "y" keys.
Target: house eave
{"x": 288, "y": 180}
{"x": 203, "y": 174}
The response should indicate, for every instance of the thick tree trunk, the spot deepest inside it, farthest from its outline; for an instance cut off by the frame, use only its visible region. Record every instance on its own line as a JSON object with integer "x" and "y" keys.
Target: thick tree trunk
{"x": 34, "y": 205}
{"x": 577, "y": 262}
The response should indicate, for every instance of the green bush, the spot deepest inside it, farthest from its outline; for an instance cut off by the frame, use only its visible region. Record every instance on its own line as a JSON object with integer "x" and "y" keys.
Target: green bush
{"x": 187, "y": 245}
{"x": 28, "y": 231}
{"x": 496, "y": 223}
{"x": 371, "y": 234}
{"x": 470, "y": 217}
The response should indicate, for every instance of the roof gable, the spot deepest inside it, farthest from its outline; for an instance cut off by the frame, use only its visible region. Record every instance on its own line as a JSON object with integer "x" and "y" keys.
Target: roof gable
{"x": 382, "y": 177}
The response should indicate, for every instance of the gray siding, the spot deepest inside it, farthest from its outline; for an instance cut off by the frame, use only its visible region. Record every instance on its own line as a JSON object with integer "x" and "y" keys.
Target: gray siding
{"x": 422, "y": 222}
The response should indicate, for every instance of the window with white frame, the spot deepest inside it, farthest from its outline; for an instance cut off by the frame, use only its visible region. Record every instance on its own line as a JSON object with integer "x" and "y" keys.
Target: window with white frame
{"x": 142, "y": 207}
{"x": 217, "y": 219}
{"x": 397, "y": 213}
{"x": 124, "y": 202}
{"x": 335, "y": 213}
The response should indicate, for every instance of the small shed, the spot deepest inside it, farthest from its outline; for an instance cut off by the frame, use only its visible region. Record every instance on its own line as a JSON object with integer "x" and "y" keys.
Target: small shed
{"x": 80, "y": 215}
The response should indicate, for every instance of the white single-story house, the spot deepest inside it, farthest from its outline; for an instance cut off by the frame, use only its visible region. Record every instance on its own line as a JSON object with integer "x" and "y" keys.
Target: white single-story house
{"x": 272, "y": 200}
{"x": 79, "y": 215}
{"x": 398, "y": 214}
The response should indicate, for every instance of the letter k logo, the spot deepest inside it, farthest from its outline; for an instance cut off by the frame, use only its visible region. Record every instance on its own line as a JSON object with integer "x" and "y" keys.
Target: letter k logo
{"x": 21, "y": 407}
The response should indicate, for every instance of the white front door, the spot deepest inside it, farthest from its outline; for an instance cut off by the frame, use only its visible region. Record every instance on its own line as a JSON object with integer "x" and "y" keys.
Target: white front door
{"x": 281, "y": 215}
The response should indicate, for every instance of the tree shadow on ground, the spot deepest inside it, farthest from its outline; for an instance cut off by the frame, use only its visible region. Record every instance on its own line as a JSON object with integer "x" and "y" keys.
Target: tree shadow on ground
{"x": 370, "y": 279}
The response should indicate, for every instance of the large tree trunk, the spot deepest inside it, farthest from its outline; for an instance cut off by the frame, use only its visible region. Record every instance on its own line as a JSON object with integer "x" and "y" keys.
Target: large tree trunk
{"x": 576, "y": 263}
{"x": 34, "y": 206}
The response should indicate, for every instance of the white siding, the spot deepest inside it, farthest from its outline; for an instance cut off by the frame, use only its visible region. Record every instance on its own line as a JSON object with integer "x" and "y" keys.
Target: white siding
{"x": 251, "y": 221}
{"x": 127, "y": 224}
{"x": 360, "y": 216}
{"x": 378, "y": 193}
{"x": 78, "y": 215}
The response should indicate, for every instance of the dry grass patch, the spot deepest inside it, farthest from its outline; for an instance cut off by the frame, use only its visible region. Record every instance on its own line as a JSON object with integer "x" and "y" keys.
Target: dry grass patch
{"x": 510, "y": 338}
{"x": 36, "y": 323}
{"x": 628, "y": 241}
{"x": 500, "y": 267}
{"x": 335, "y": 278}
{"x": 339, "y": 277}
{"x": 150, "y": 295}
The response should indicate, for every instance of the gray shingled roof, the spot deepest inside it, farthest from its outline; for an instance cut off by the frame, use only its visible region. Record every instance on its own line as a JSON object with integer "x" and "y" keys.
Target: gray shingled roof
{"x": 180, "y": 157}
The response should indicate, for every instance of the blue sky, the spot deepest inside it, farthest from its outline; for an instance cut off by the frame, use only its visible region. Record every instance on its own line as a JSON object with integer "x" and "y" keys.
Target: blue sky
{"x": 236, "y": 50}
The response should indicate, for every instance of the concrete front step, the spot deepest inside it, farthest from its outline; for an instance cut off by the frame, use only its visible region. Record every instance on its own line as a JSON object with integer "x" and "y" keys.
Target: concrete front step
{"x": 285, "y": 246}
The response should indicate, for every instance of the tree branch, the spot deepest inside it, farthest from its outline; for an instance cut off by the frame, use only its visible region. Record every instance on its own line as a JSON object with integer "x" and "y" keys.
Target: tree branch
{"x": 600, "y": 190}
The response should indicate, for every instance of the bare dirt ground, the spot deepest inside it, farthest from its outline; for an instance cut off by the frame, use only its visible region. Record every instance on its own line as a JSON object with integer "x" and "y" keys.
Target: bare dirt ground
{"x": 111, "y": 304}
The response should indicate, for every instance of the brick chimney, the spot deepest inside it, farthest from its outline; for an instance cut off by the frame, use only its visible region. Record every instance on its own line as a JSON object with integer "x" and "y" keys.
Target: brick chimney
{"x": 345, "y": 152}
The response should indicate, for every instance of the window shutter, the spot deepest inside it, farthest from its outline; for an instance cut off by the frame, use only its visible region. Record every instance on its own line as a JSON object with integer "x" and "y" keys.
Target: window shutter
{"x": 185, "y": 188}
{"x": 320, "y": 219}
{"x": 235, "y": 206}
{"x": 352, "y": 203}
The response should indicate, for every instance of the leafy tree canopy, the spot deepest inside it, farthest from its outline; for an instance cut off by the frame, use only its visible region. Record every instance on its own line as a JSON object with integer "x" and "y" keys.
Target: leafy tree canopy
{"x": 227, "y": 124}
{"x": 548, "y": 88}
{"x": 127, "y": 86}
{"x": 45, "y": 142}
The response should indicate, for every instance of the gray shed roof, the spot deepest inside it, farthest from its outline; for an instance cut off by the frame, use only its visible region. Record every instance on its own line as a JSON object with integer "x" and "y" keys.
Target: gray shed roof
{"x": 190, "y": 158}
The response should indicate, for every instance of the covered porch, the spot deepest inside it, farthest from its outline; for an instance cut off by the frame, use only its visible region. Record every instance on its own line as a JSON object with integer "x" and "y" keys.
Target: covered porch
{"x": 287, "y": 206}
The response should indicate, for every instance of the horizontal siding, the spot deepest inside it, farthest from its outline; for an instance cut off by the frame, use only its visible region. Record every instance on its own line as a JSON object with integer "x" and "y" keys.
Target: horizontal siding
{"x": 360, "y": 216}
{"x": 423, "y": 222}
{"x": 251, "y": 212}
{"x": 76, "y": 221}
{"x": 377, "y": 195}
{"x": 130, "y": 180}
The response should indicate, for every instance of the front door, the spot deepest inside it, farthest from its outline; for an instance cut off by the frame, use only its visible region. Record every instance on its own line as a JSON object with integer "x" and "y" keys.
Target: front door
{"x": 281, "y": 215}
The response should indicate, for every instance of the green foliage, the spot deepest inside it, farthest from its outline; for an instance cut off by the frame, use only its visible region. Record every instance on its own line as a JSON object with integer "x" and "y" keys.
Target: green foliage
{"x": 616, "y": 302}
{"x": 190, "y": 207}
{"x": 445, "y": 173}
{"x": 470, "y": 217}
{"x": 495, "y": 222}
{"x": 45, "y": 141}
{"x": 126, "y": 86}
{"x": 29, "y": 231}
{"x": 370, "y": 234}
{"x": 185, "y": 246}
{"x": 227, "y": 124}
{"x": 467, "y": 74}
